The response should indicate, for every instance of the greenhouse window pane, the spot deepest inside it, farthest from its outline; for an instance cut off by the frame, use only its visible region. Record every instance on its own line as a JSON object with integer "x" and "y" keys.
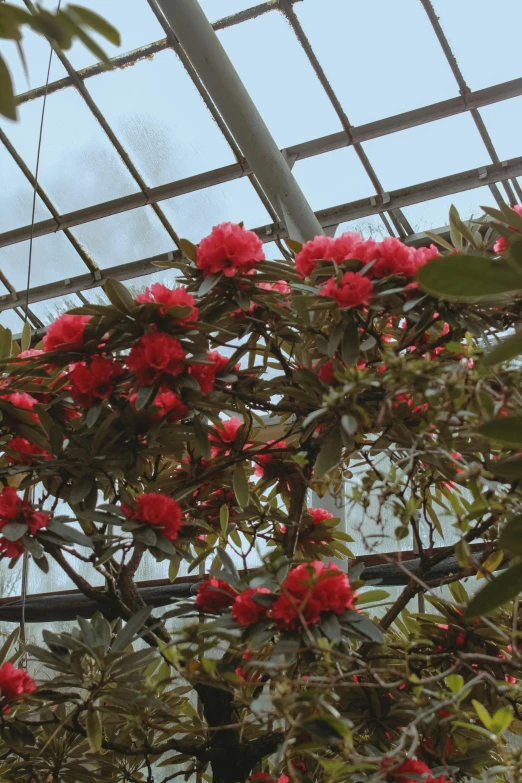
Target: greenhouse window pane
{"x": 78, "y": 164}
{"x": 332, "y": 178}
{"x": 10, "y": 320}
{"x": 51, "y": 309}
{"x": 484, "y": 60}
{"x": 217, "y": 9}
{"x": 134, "y": 21}
{"x": 381, "y": 58}
{"x": 194, "y": 214}
{"x": 427, "y": 152}
{"x": 16, "y": 196}
{"x": 95, "y": 296}
{"x": 280, "y": 79}
{"x": 503, "y": 123}
{"x": 371, "y": 226}
{"x": 435, "y": 213}
{"x": 125, "y": 237}
{"x": 159, "y": 116}
{"x": 54, "y": 258}
{"x": 137, "y": 285}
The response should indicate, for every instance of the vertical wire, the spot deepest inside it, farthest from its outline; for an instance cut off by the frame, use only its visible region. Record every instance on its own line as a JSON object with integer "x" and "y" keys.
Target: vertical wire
{"x": 25, "y": 561}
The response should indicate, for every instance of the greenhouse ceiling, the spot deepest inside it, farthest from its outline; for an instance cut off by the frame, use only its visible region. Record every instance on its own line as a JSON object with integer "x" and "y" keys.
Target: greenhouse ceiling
{"x": 383, "y": 132}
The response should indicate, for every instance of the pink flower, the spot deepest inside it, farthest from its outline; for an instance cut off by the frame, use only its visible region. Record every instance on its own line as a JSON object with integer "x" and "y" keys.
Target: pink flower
{"x": 247, "y": 611}
{"x": 354, "y": 290}
{"x": 21, "y": 400}
{"x": 66, "y": 333}
{"x": 205, "y": 374}
{"x": 156, "y": 356}
{"x": 171, "y": 297}
{"x": 319, "y": 515}
{"x": 318, "y": 249}
{"x": 394, "y": 258}
{"x": 502, "y": 243}
{"x": 215, "y": 595}
{"x": 224, "y": 436}
{"x": 264, "y": 460}
{"x": 326, "y": 373}
{"x": 229, "y": 249}
{"x": 94, "y": 381}
{"x": 310, "y": 589}
{"x": 26, "y": 450}
{"x": 14, "y": 509}
{"x": 352, "y": 245}
{"x": 14, "y": 682}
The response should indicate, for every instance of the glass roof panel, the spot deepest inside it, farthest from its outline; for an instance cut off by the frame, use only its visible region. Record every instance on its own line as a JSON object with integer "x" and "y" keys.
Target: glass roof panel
{"x": 435, "y": 213}
{"x": 134, "y": 21}
{"x": 51, "y": 309}
{"x": 95, "y": 295}
{"x": 332, "y": 178}
{"x": 427, "y": 152}
{"x": 125, "y": 237}
{"x": 484, "y": 60}
{"x": 16, "y": 196}
{"x": 381, "y": 58}
{"x": 503, "y": 123}
{"x": 217, "y": 9}
{"x": 194, "y": 214}
{"x": 10, "y": 320}
{"x": 159, "y": 116}
{"x": 280, "y": 79}
{"x": 371, "y": 226}
{"x": 78, "y": 164}
{"x": 54, "y": 258}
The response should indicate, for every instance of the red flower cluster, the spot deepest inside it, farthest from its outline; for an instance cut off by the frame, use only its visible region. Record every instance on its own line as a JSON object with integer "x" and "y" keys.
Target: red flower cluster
{"x": 171, "y": 297}
{"x": 21, "y": 400}
{"x": 224, "y": 436}
{"x": 156, "y": 357}
{"x": 391, "y": 256}
{"x": 247, "y": 611}
{"x": 326, "y": 373}
{"x": 94, "y": 381}
{"x": 14, "y": 509}
{"x": 26, "y": 449}
{"x": 502, "y": 243}
{"x": 14, "y": 682}
{"x": 319, "y": 515}
{"x": 156, "y": 510}
{"x": 310, "y": 589}
{"x": 354, "y": 290}
{"x": 410, "y": 771}
{"x": 66, "y": 333}
{"x": 264, "y": 460}
{"x": 214, "y": 595}
{"x": 229, "y": 249}
{"x": 205, "y": 374}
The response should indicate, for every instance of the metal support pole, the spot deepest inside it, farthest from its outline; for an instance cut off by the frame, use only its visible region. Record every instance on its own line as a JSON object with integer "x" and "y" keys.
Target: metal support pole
{"x": 213, "y": 66}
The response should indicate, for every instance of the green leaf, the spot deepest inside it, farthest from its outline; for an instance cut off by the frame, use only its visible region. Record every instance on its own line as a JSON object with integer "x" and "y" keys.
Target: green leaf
{"x": 201, "y": 436}
{"x": 350, "y": 348}
{"x": 223, "y": 519}
{"x": 69, "y": 533}
{"x": 455, "y": 682}
{"x": 349, "y": 424}
{"x": 483, "y": 714}
{"x": 81, "y": 488}
{"x": 14, "y": 531}
{"x": 505, "y": 350}
{"x": 6, "y": 337}
{"x": 329, "y": 455}
{"x": 499, "y": 591}
{"x": 26, "y": 336}
{"x": 240, "y": 484}
{"x": 466, "y": 278}
{"x": 188, "y": 249}
{"x": 463, "y": 553}
{"x": 119, "y": 296}
{"x": 228, "y": 564}
{"x": 460, "y": 226}
{"x": 7, "y": 99}
{"x": 372, "y": 596}
{"x": 145, "y": 397}
{"x": 96, "y": 22}
{"x": 335, "y": 338}
{"x": 502, "y": 719}
{"x": 510, "y": 539}
{"x": 507, "y": 429}
{"x": 94, "y": 730}
{"x": 208, "y": 284}
{"x": 129, "y": 631}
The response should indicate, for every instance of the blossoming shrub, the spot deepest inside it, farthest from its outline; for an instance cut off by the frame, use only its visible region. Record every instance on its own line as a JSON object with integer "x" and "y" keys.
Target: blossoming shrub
{"x": 190, "y": 425}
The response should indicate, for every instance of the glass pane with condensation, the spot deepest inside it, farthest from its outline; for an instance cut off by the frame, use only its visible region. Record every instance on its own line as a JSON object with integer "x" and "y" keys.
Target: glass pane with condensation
{"x": 138, "y": 285}
{"x": 371, "y": 226}
{"x": 36, "y": 52}
{"x": 434, "y": 214}
{"x": 53, "y": 259}
{"x": 16, "y": 195}
{"x": 78, "y": 164}
{"x": 128, "y": 236}
{"x": 134, "y": 21}
{"x": 95, "y": 295}
{"x": 485, "y": 57}
{"x": 332, "y": 178}
{"x": 10, "y": 320}
{"x": 427, "y": 152}
{"x": 280, "y": 79}
{"x": 218, "y": 9}
{"x": 52, "y": 309}
{"x": 381, "y": 58}
{"x": 503, "y": 123}
{"x": 159, "y": 116}
{"x": 194, "y": 214}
